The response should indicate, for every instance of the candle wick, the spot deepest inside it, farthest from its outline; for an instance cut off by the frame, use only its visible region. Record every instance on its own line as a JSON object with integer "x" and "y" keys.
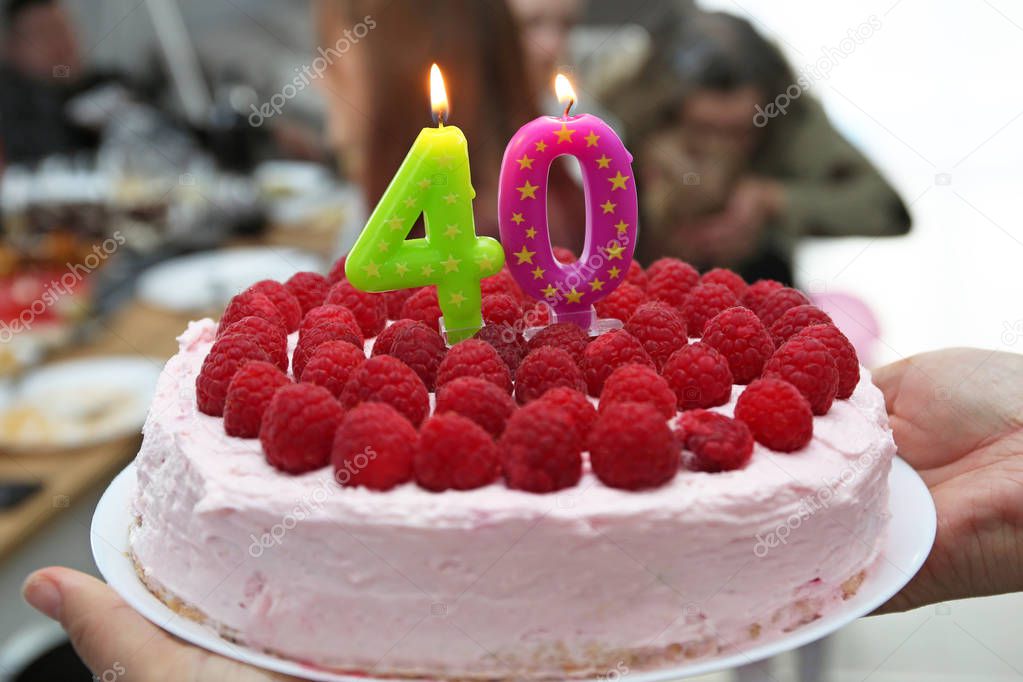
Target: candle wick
{"x": 568, "y": 108}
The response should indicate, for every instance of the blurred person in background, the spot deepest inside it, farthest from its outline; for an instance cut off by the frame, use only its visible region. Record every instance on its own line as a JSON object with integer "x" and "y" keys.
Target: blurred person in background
{"x": 545, "y": 26}
{"x": 726, "y": 184}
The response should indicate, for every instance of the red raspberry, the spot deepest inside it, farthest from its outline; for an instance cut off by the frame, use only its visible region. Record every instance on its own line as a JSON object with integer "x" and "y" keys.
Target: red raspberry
{"x": 637, "y": 275}
{"x": 423, "y": 306}
{"x": 704, "y": 302}
{"x": 369, "y": 309}
{"x": 373, "y": 447}
{"x": 269, "y": 336}
{"x": 543, "y": 369}
{"x": 332, "y": 364}
{"x": 808, "y": 365}
{"x": 718, "y": 443}
{"x": 384, "y": 379}
{"x": 455, "y": 454}
{"x": 638, "y": 384}
{"x": 250, "y": 304}
{"x": 227, "y": 355}
{"x": 322, "y": 313}
{"x": 477, "y": 399}
{"x": 540, "y": 451}
{"x": 776, "y": 413}
{"x": 564, "y": 255}
{"x": 632, "y": 447}
{"x": 501, "y": 283}
{"x": 758, "y": 292}
{"x": 286, "y": 304}
{"x": 385, "y": 340}
{"x": 621, "y": 303}
{"x": 775, "y": 305}
{"x": 474, "y": 358}
{"x": 501, "y": 309}
{"x": 577, "y": 406}
{"x": 739, "y": 335}
{"x": 248, "y": 394}
{"x": 699, "y": 375}
{"x": 608, "y": 352}
{"x": 660, "y": 329}
{"x": 726, "y": 278}
{"x": 508, "y": 343}
{"x": 842, "y": 350}
{"x": 422, "y": 349}
{"x": 309, "y": 288}
{"x": 310, "y": 339}
{"x": 795, "y": 320}
{"x": 569, "y": 337}
{"x": 337, "y": 271}
{"x": 395, "y": 301}
{"x": 538, "y": 315}
{"x": 670, "y": 280}
{"x": 298, "y": 428}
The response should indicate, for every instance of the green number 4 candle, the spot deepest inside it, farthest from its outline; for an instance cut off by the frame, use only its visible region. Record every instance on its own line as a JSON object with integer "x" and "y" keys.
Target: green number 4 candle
{"x": 432, "y": 181}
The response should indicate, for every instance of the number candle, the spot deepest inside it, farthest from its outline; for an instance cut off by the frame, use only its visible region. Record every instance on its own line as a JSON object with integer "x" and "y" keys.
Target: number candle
{"x": 433, "y": 181}
{"x": 611, "y": 210}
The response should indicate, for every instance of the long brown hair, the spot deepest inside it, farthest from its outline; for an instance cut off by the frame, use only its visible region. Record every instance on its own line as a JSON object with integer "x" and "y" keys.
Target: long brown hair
{"x": 476, "y": 44}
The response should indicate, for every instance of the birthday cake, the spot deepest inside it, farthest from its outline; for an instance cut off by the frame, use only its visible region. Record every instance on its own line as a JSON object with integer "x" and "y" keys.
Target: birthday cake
{"x": 325, "y": 479}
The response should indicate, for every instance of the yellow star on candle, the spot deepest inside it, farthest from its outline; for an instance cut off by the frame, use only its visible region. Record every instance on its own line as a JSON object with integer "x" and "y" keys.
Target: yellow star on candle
{"x": 614, "y": 273}
{"x": 525, "y": 256}
{"x": 565, "y": 134}
{"x": 597, "y": 284}
{"x": 444, "y": 160}
{"x": 383, "y": 246}
{"x": 608, "y": 206}
{"x": 451, "y": 231}
{"x": 427, "y": 270}
{"x": 371, "y": 269}
{"x": 591, "y": 139}
{"x": 457, "y": 298}
{"x": 451, "y": 198}
{"x": 574, "y": 296}
{"x": 395, "y": 223}
{"x": 517, "y": 218}
{"x": 618, "y": 181}
{"x": 410, "y": 202}
{"x": 541, "y": 146}
{"x": 531, "y": 232}
{"x": 528, "y": 191}
{"x": 538, "y": 272}
{"x": 401, "y": 269}
{"x": 424, "y": 183}
{"x": 614, "y": 252}
{"x": 549, "y": 291}
{"x": 451, "y": 264}
{"x": 485, "y": 263}
{"x": 603, "y": 161}
{"x": 525, "y": 162}
{"x": 621, "y": 226}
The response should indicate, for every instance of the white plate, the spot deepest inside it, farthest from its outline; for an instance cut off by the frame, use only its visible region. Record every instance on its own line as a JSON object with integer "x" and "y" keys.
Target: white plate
{"x": 909, "y": 541}
{"x": 209, "y": 279}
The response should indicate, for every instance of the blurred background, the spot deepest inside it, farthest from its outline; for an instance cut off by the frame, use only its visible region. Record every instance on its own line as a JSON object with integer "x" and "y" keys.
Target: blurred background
{"x": 158, "y": 156}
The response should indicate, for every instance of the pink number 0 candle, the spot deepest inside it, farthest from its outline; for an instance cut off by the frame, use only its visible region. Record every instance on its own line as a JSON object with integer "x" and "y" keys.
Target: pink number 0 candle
{"x": 611, "y": 210}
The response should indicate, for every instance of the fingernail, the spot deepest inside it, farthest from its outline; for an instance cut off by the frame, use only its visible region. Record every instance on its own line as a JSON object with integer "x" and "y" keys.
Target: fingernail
{"x": 43, "y": 595}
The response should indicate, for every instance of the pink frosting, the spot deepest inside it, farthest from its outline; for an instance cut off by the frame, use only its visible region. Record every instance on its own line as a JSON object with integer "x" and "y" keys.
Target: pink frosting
{"x": 495, "y": 582}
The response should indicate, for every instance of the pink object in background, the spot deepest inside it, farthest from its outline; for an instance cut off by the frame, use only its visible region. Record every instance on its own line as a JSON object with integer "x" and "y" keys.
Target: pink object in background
{"x": 856, "y": 320}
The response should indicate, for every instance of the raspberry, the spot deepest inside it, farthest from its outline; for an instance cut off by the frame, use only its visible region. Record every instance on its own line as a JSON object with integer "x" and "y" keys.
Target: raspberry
{"x": 726, "y": 278}
{"x": 608, "y": 352}
{"x": 758, "y": 292}
{"x": 621, "y": 303}
{"x": 422, "y": 349}
{"x": 474, "y": 358}
{"x": 501, "y": 309}
{"x": 332, "y": 364}
{"x": 807, "y": 364}
{"x": 369, "y": 309}
{"x": 776, "y": 413}
{"x": 286, "y": 304}
{"x": 632, "y": 447}
{"x": 569, "y": 337}
{"x": 842, "y": 350}
{"x": 250, "y": 304}
{"x": 422, "y": 306}
{"x": 508, "y": 343}
{"x": 543, "y": 369}
{"x": 540, "y": 450}
{"x": 373, "y": 447}
{"x": 319, "y": 314}
{"x": 269, "y": 336}
{"x": 795, "y": 320}
{"x": 578, "y": 408}
{"x": 337, "y": 271}
{"x": 384, "y": 379}
{"x": 699, "y": 375}
{"x": 248, "y": 394}
{"x": 501, "y": 283}
{"x": 455, "y": 453}
{"x": 227, "y": 355}
{"x": 638, "y": 384}
{"x": 718, "y": 443}
{"x": 310, "y": 339}
{"x": 704, "y": 302}
{"x": 660, "y": 329}
{"x": 670, "y": 280}
{"x": 739, "y": 335}
{"x": 395, "y": 301}
{"x": 636, "y": 276}
{"x": 538, "y": 315}
{"x": 298, "y": 428}
{"x": 564, "y": 255}
{"x": 477, "y": 399}
{"x": 775, "y": 305}
{"x": 309, "y": 288}
{"x": 385, "y": 340}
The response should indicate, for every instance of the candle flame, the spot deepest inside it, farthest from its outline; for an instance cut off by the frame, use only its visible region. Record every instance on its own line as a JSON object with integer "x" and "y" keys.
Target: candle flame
{"x": 565, "y": 92}
{"x": 438, "y": 95}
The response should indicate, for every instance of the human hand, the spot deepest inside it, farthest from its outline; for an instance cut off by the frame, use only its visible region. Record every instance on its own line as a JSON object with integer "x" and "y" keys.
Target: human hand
{"x": 958, "y": 420}
{"x": 731, "y": 235}
{"x": 110, "y": 636}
